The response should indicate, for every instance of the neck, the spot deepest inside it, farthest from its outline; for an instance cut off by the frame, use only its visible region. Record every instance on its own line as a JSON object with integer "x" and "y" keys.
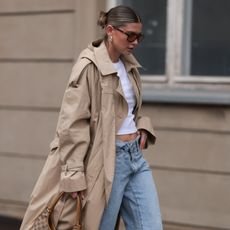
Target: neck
{"x": 113, "y": 54}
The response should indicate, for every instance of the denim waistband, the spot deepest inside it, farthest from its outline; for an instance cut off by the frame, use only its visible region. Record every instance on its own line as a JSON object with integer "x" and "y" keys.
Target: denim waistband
{"x": 127, "y": 145}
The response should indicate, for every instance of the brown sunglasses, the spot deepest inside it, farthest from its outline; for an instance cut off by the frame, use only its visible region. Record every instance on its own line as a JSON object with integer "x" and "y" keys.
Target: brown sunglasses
{"x": 132, "y": 36}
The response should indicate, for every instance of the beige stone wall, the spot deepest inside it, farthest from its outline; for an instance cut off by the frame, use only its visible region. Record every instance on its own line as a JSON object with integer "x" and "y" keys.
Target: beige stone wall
{"x": 39, "y": 41}
{"x": 190, "y": 163}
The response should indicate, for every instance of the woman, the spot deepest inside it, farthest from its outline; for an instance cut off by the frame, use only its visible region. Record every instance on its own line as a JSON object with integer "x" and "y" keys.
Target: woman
{"x": 99, "y": 138}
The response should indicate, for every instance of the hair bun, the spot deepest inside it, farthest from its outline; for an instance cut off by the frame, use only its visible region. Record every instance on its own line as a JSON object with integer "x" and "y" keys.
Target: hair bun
{"x": 102, "y": 21}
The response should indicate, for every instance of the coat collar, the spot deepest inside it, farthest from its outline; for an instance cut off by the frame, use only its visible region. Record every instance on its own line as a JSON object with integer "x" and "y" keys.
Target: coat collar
{"x": 102, "y": 60}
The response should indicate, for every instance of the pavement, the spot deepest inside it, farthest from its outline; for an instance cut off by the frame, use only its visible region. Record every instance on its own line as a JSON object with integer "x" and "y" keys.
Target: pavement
{"x": 7, "y": 223}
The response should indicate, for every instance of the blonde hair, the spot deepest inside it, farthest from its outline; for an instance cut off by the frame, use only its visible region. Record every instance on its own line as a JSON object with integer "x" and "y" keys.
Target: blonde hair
{"x": 118, "y": 16}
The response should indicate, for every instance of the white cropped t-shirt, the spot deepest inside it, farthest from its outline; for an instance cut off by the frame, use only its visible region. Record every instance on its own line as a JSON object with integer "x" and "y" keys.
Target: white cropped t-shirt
{"x": 128, "y": 125}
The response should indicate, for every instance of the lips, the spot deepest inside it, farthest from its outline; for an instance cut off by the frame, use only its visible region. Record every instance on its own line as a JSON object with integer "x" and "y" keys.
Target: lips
{"x": 130, "y": 48}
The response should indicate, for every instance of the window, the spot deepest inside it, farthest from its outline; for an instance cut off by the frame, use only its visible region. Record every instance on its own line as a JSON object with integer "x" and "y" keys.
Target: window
{"x": 186, "y": 50}
{"x": 206, "y": 38}
{"x": 151, "y": 51}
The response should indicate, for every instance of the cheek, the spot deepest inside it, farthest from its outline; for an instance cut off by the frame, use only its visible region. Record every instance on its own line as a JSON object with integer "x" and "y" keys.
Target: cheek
{"x": 121, "y": 45}
{"x": 124, "y": 44}
{"x": 121, "y": 41}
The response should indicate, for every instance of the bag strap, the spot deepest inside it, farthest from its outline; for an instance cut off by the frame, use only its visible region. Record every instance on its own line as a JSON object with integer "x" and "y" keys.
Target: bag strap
{"x": 78, "y": 222}
{"x": 52, "y": 206}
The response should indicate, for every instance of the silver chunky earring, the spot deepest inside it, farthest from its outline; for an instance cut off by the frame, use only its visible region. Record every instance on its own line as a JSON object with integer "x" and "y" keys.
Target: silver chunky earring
{"x": 111, "y": 39}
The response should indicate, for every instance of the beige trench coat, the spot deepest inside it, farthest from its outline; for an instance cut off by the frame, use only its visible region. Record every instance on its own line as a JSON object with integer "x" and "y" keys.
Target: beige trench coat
{"x": 83, "y": 154}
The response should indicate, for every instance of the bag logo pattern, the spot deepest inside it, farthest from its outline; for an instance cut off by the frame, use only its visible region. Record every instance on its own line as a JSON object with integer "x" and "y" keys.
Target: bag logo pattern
{"x": 41, "y": 223}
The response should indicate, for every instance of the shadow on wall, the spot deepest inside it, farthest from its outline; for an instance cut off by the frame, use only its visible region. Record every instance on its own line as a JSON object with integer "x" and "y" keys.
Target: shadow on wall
{"x": 7, "y": 223}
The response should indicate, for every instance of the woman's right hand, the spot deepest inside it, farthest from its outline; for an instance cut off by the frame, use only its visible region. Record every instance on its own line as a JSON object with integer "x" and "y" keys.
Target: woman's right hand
{"x": 74, "y": 194}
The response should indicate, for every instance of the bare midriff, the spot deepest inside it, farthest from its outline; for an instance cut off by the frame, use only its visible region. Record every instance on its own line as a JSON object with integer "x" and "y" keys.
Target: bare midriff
{"x": 127, "y": 137}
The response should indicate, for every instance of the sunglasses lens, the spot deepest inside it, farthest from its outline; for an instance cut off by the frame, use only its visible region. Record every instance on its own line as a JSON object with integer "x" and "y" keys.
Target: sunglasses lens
{"x": 132, "y": 37}
{"x": 140, "y": 38}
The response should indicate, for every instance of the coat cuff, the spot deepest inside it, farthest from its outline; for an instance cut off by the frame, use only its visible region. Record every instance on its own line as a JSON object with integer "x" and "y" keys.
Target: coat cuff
{"x": 73, "y": 177}
{"x": 145, "y": 123}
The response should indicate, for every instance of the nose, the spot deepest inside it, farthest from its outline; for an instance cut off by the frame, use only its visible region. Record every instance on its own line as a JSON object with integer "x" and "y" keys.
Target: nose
{"x": 135, "y": 42}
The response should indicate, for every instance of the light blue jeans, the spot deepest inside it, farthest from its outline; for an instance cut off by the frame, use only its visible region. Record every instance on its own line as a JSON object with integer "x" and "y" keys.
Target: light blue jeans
{"x": 133, "y": 191}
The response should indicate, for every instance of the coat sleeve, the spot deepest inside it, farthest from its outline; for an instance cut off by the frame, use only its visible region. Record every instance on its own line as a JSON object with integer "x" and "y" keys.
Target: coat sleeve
{"x": 145, "y": 123}
{"x": 74, "y": 132}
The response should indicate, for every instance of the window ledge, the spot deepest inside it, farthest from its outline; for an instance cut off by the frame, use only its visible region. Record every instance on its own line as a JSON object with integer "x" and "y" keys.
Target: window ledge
{"x": 155, "y": 78}
{"x": 202, "y": 79}
{"x": 195, "y": 96}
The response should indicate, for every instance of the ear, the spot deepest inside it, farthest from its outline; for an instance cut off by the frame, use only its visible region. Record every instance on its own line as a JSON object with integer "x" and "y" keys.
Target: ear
{"x": 109, "y": 30}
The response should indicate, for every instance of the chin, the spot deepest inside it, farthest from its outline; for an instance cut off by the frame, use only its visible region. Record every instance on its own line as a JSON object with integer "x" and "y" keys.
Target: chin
{"x": 127, "y": 52}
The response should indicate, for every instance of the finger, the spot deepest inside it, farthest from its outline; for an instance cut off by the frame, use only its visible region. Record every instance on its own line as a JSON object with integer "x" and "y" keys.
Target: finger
{"x": 141, "y": 147}
{"x": 141, "y": 144}
{"x": 74, "y": 195}
{"x": 82, "y": 194}
{"x": 71, "y": 194}
{"x": 143, "y": 141}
